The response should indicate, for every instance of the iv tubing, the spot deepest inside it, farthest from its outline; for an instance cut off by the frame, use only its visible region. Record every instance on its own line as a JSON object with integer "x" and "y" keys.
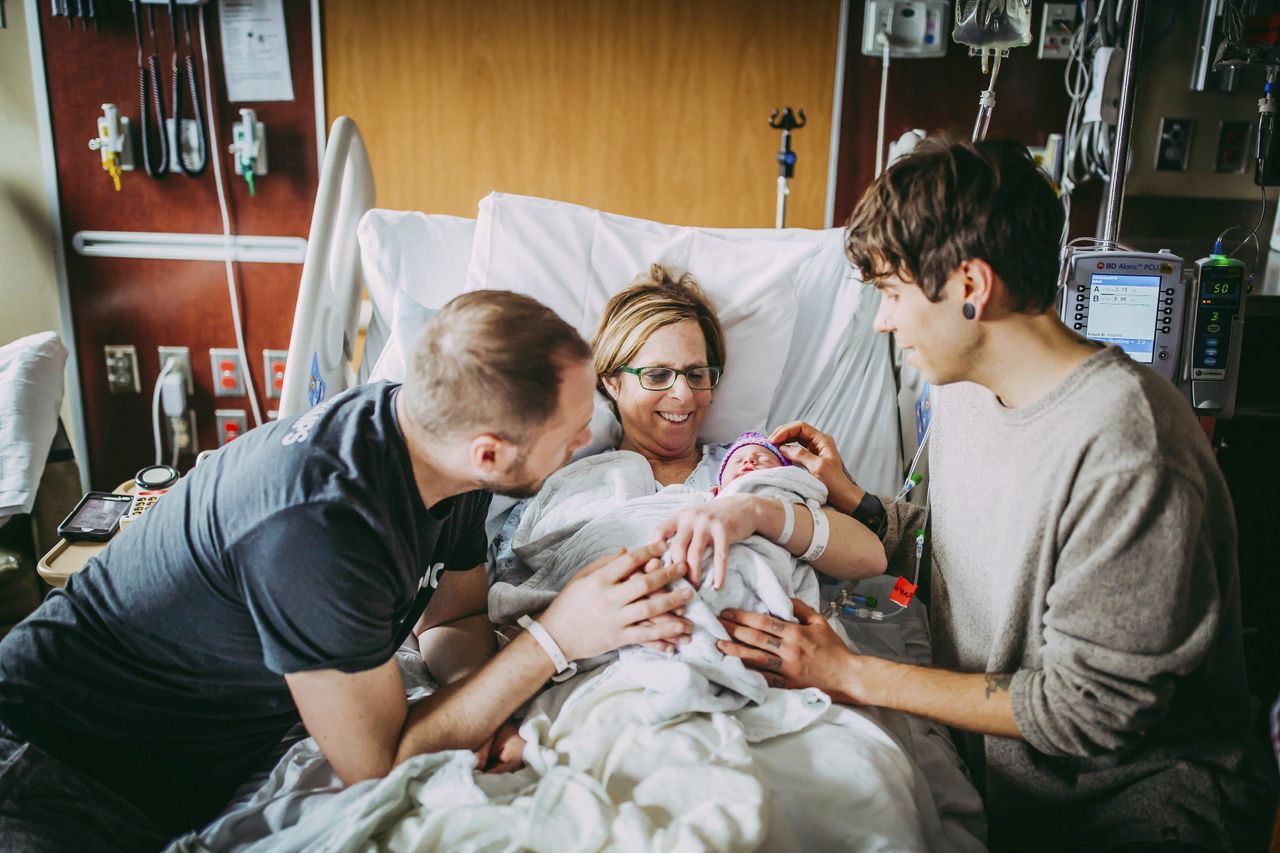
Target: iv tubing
{"x": 986, "y": 101}
{"x": 252, "y": 392}
{"x": 884, "y": 92}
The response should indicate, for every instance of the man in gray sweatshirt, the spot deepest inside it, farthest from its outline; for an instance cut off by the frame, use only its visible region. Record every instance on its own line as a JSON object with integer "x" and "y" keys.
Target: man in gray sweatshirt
{"x": 1085, "y": 602}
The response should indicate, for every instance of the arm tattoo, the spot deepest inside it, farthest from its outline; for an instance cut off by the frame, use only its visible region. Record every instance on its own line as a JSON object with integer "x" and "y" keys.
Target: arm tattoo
{"x": 997, "y": 682}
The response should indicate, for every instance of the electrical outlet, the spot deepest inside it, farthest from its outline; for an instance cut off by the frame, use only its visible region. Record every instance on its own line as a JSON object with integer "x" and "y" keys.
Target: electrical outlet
{"x": 122, "y": 369}
{"x": 1173, "y": 148}
{"x": 231, "y": 424}
{"x": 1057, "y": 25}
{"x": 273, "y": 370}
{"x": 182, "y": 435}
{"x": 228, "y": 373}
{"x": 183, "y": 355}
{"x": 1233, "y": 142}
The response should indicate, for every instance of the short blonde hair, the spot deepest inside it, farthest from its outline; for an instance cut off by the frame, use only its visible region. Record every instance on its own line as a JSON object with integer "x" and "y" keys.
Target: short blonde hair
{"x": 656, "y": 299}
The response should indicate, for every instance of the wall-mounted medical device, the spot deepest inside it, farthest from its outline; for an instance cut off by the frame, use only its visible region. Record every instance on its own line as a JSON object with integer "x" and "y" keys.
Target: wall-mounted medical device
{"x": 249, "y": 147}
{"x": 1215, "y": 327}
{"x": 1134, "y": 300}
{"x": 916, "y": 29}
{"x": 113, "y": 143}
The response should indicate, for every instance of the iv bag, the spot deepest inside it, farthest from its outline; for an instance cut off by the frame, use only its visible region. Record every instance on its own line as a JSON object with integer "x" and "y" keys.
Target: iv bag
{"x": 993, "y": 24}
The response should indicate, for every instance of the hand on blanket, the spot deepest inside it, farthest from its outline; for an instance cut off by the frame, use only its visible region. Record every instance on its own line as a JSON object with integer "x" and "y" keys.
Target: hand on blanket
{"x": 715, "y": 525}
{"x": 503, "y": 752}
{"x": 787, "y": 654}
{"x": 816, "y": 452}
{"x": 619, "y": 600}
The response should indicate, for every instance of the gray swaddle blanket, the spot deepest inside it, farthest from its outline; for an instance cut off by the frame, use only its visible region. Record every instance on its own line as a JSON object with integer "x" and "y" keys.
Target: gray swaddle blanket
{"x": 600, "y": 504}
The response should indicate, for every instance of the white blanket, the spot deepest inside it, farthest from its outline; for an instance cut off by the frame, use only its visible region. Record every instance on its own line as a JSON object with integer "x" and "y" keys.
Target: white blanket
{"x": 608, "y": 770}
{"x": 602, "y": 503}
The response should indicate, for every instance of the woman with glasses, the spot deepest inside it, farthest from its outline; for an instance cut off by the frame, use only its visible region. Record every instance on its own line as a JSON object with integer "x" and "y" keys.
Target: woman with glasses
{"x": 659, "y": 354}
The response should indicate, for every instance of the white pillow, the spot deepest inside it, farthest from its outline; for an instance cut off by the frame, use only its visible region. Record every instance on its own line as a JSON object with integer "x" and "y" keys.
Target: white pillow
{"x": 573, "y": 258}
{"x": 411, "y": 254}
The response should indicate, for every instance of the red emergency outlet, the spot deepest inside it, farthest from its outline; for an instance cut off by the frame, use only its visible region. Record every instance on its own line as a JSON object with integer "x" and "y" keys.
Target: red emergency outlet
{"x": 277, "y": 376}
{"x": 227, "y": 374}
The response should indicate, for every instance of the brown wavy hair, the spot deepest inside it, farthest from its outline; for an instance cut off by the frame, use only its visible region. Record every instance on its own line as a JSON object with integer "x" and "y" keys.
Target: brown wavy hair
{"x": 952, "y": 200}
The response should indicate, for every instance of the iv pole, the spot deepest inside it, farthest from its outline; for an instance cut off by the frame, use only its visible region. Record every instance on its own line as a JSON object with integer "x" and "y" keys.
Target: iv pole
{"x": 786, "y": 158}
{"x": 1124, "y": 125}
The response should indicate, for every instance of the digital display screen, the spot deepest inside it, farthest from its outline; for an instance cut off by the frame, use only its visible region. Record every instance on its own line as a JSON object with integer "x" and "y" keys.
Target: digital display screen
{"x": 1216, "y": 286}
{"x": 100, "y": 514}
{"x": 1122, "y": 311}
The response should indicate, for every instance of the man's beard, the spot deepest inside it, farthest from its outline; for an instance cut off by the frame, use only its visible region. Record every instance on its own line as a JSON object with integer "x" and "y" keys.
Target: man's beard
{"x": 518, "y": 484}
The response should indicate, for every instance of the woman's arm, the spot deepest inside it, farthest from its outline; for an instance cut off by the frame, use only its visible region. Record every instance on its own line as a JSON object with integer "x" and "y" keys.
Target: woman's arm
{"x": 852, "y": 550}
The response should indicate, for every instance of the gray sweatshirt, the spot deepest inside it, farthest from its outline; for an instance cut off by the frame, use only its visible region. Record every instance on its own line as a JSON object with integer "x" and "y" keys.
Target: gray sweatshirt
{"x": 1086, "y": 543}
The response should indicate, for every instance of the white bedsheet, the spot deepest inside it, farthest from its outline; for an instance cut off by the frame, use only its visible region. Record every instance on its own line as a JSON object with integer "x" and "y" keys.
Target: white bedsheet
{"x": 609, "y": 766}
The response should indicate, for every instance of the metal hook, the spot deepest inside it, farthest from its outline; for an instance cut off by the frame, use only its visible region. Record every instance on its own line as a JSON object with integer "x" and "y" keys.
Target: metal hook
{"x": 788, "y": 122}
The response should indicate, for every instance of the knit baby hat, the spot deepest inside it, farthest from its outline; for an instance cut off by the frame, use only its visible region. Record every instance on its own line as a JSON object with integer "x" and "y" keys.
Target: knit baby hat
{"x": 750, "y": 438}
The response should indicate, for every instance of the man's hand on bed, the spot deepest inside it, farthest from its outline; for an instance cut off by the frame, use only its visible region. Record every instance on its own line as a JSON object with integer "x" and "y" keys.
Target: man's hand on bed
{"x": 619, "y": 600}
{"x": 789, "y": 654}
{"x": 816, "y": 452}
{"x": 715, "y": 525}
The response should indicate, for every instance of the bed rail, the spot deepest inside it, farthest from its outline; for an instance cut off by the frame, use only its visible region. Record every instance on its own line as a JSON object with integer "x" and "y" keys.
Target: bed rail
{"x": 324, "y": 343}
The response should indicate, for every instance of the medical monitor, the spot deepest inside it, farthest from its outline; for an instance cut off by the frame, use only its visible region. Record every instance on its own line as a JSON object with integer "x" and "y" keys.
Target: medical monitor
{"x": 1122, "y": 311}
{"x": 1134, "y": 300}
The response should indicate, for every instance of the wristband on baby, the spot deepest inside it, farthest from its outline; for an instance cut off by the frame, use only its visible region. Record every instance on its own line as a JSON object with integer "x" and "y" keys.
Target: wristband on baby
{"x": 788, "y": 523}
{"x": 564, "y": 668}
{"x": 821, "y": 533}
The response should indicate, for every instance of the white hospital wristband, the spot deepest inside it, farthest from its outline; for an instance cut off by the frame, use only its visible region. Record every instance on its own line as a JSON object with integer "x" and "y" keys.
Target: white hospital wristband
{"x": 821, "y": 533}
{"x": 564, "y": 668}
{"x": 788, "y": 523}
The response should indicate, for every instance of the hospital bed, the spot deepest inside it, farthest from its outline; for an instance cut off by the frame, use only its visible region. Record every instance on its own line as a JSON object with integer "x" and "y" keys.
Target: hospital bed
{"x": 811, "y": 343}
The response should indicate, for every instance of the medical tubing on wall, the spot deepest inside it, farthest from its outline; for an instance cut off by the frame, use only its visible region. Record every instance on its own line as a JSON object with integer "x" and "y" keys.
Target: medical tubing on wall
{"x": 169, "y": 366}
{"x": 884, "y": 94}
{"x": 226, "y": 228}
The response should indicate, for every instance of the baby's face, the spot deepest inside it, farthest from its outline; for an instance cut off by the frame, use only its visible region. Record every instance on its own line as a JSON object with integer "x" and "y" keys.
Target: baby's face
{"x": 749, "y": 457}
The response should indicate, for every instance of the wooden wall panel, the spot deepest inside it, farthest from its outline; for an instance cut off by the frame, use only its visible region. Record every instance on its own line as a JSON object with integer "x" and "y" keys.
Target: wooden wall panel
{"x": 653, "y": 108}
{"x": 180, "y": 303}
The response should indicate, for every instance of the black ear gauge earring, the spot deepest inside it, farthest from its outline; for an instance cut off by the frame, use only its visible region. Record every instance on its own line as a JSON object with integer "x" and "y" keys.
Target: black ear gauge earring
{"x": 969, "y": 311}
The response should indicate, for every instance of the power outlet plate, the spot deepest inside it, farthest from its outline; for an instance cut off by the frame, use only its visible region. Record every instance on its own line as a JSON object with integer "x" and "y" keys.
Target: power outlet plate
{"x": 273, "y": 371}
{"x": 122, "y": 369}
{"x": 1173, "y": 147}
{"x": 183, "y": 355}
{"x": 1057, "y": 26}
{"x": 192, "y": 446}
{"x": 231, "y": 424}
{"x": 1233, "y": 146}
{"x": 228, "y": 372}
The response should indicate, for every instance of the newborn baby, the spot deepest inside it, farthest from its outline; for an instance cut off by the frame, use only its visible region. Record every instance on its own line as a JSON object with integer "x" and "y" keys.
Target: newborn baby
{"x": 751, "y": 451}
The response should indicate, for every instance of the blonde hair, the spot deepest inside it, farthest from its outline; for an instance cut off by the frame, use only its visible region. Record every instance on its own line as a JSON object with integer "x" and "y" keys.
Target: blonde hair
{"x": 655, "y": 299}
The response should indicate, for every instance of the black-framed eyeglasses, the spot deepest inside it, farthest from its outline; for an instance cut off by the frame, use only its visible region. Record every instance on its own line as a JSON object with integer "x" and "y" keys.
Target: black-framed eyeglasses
{"x": 702, "y": 378}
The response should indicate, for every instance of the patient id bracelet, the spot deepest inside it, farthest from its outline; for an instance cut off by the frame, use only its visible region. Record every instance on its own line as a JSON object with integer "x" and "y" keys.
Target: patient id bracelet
{"x": 564, "y": 668}
{"x": 788, "y": 523}
{"x": 821, "y": 533}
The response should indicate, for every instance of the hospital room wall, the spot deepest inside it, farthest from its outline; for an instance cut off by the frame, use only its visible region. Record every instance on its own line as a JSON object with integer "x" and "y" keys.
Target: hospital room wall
{"x": 652, "y": 108}
{"x": 152, "y": 303}
{"x": 942, "y": 94}
{"x": 28, "y": 281}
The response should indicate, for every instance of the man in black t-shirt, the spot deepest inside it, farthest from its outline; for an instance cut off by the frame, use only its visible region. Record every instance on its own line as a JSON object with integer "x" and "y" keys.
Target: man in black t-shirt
{"x": 278, "y": 579}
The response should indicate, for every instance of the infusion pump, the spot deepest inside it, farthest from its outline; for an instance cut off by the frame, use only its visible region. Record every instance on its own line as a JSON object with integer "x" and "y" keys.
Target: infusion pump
{"x": 1135, "y": 300}
{"x": 1188, "y": 332}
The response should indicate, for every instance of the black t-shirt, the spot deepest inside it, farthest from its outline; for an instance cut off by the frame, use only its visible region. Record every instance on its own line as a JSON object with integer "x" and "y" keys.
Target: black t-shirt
{"x": 302, "y": 545}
